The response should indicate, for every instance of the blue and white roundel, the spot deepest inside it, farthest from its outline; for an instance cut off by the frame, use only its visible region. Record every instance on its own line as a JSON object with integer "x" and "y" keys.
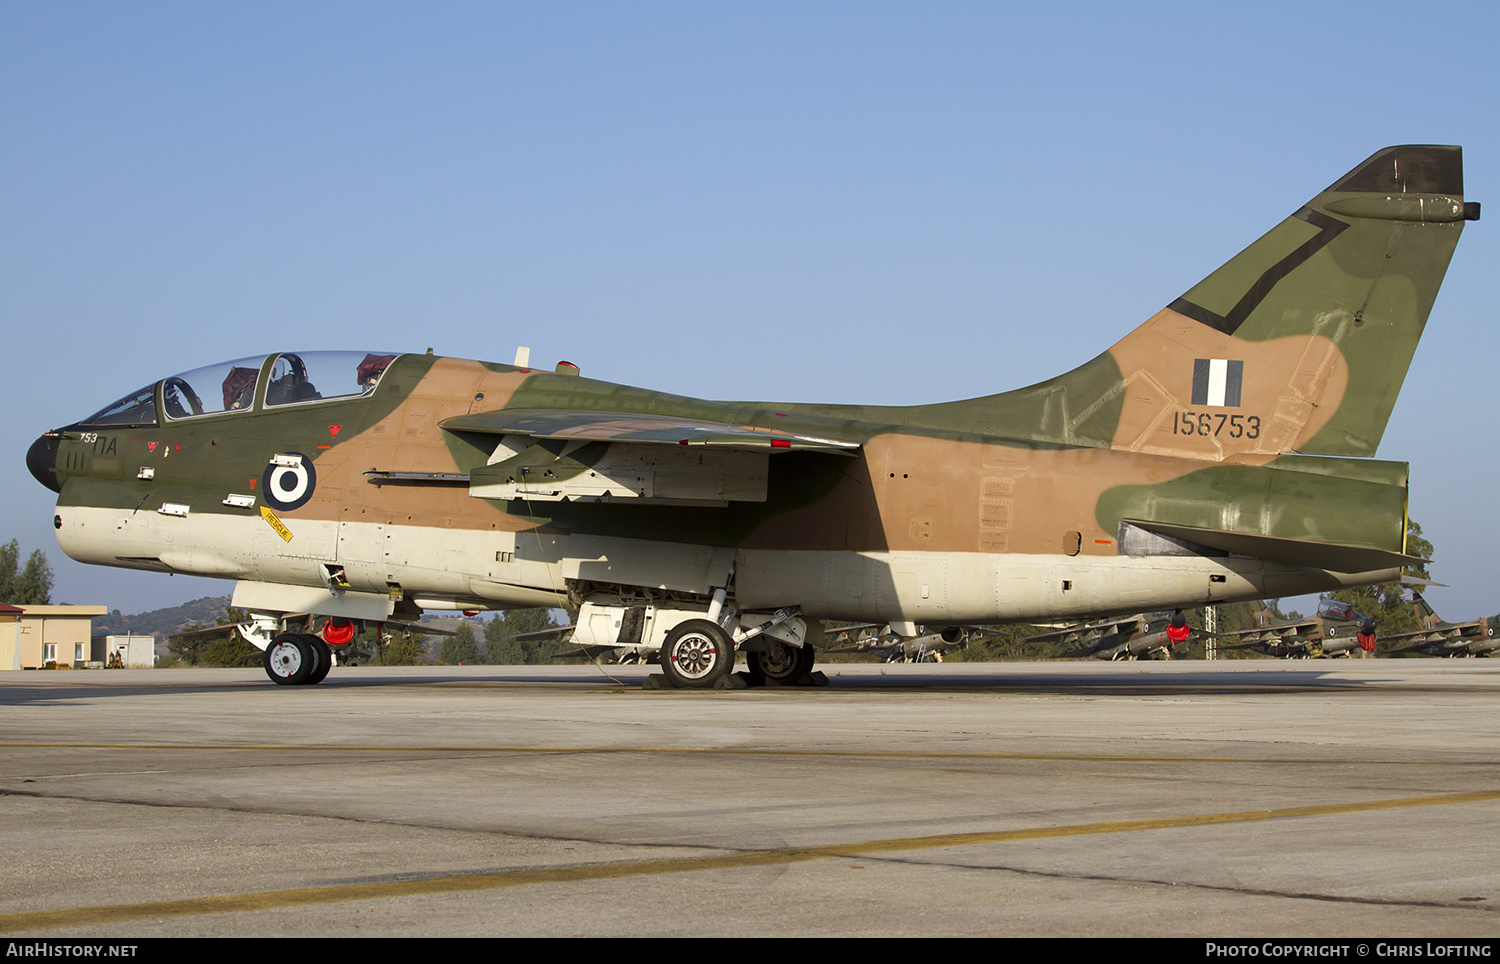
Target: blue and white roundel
{"x": 289, "y": 481}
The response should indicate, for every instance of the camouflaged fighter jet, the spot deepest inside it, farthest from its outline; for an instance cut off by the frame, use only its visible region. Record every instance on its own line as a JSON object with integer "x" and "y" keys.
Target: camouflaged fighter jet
{"x": 889, "y": 645}
{"x": 1438, "y": 637}
{"x": 1337, "y": 630}
{"x": 1139, "y": 636}
{"x": 1218, "y": 452}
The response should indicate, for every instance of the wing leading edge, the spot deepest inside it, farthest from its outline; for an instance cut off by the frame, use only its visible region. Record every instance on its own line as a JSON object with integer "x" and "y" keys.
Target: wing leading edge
{"x": 591, "y": 456}
{"x": 642, "y": 429}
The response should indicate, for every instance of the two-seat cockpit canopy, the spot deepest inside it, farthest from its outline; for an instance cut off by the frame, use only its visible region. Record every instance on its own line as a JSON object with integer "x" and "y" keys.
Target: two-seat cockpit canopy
{"x": 264, "y": 381}
{"x": 1337, "y": 609}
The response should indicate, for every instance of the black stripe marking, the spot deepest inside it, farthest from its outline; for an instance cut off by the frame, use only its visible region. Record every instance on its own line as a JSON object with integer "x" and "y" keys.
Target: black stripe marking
{"x": 1329, "y": 228}
{"x": 1234, "y": 380}
{"x": 1200, "y": 380}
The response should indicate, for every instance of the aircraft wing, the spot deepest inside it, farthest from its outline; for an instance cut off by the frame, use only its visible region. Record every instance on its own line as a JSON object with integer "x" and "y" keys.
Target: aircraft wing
{"x": 642, "y": 429}
{"x": 879, "y": 644}
{"x": 223, "y": 629}
{"x": 1278, "y": 631}
{"x": 422, "y": 628}
{"x": 1254, "y": 643}
{"x": 229, "y": 628}
{"x": 852, "y": 628}
{"x": 1445, "y": 632}
{"x": 1107, "y": 627}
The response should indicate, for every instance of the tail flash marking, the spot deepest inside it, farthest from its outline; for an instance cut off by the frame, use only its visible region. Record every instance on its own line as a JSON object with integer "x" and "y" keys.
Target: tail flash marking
{"x": 1217, "y": 382}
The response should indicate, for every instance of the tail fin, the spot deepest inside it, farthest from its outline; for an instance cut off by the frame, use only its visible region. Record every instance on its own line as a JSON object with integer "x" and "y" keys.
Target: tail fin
{"x": 1299, "y": 343}
{"x": 1428, "y": 617}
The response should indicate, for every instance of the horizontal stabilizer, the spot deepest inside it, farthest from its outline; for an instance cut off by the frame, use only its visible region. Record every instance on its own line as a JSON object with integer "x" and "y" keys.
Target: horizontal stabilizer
{"x": 1293, "y": 552}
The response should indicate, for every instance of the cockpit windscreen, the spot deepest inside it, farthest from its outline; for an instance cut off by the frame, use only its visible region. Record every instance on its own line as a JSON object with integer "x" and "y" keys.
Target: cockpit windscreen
{"x": 137, "y": 408}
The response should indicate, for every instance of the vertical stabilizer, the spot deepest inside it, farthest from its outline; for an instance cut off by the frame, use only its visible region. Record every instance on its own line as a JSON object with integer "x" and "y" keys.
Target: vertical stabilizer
{"x": 1299, "y": 343}
{"x": 1320, "y": 318}
{"x": 1425, "y": 613}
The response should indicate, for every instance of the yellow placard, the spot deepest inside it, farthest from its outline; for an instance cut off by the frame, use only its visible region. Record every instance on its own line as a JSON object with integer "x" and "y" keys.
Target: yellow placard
{"x": 275, "y": 523}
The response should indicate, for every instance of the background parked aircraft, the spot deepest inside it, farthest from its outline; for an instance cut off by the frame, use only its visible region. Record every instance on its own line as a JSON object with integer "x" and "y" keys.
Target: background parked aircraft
{"x": 1438, "y": 637}
{"x": 1139, "y": 636}
{"x": 894, "y": 646}
{"x": 1338, "y": 629}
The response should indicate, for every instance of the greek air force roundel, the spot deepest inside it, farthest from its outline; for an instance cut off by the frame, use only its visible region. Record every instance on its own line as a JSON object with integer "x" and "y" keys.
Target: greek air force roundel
{"x": 289, "y": 481}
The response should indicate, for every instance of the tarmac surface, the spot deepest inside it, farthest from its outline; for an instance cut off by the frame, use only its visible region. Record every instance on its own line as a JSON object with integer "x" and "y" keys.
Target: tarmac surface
{"x": 1238, "y": 798}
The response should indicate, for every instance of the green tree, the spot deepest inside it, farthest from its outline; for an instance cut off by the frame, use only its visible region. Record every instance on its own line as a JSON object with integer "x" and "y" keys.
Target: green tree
{"x": 460, "y": 648}
{"x": 34, "y": 587}
{"x": 405, "y": 649}
{"x": 503, "y": 649}
{"x": 217, "y": 645}
{"x": 31, "y": 585}
{"x": 10, "y": 557}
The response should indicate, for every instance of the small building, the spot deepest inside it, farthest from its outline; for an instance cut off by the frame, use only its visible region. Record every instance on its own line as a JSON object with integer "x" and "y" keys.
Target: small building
{"x": 39, "y": 635}
{"x": 10, "y": 628}
{"x": 134, "y": 651}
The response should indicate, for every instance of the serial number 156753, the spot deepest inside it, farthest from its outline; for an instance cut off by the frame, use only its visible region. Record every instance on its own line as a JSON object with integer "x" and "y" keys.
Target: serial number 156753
{"x": 1215, "y": 424}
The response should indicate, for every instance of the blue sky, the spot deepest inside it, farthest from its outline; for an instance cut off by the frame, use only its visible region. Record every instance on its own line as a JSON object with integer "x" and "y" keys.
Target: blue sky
{"x": 861, "y": 202}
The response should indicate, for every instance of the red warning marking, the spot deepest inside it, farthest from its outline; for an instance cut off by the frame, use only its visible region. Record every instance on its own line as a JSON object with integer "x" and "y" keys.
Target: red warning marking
{"x": 333, "y": 430}
{"x": 252, "y": 482}
{"x": 151, "y": 446}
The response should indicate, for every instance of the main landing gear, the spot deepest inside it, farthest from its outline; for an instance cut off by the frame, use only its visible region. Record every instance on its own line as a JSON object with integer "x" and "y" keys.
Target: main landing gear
{"x": 699, "y": 654}
{"x": 781, "y": 664}
{"x": 294, "y": 659}
{"x": 696, "y": 654}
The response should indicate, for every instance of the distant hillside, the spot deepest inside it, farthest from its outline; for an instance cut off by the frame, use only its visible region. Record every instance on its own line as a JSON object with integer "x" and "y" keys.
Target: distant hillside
{"x": 162, "y": 623}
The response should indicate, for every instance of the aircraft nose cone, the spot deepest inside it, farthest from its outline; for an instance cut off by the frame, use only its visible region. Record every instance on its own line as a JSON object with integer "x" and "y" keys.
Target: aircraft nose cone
{"x": 41, "y": 459}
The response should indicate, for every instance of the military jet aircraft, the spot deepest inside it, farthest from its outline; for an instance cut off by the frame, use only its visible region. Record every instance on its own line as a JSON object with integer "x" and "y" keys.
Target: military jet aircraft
{"x": 1141, "y": 636}
{"x": 1218, "y": 452}
{"x": 1338, "y": 629}
{"x": 1438, "y": 637}
{"x": 895, "y": 643}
